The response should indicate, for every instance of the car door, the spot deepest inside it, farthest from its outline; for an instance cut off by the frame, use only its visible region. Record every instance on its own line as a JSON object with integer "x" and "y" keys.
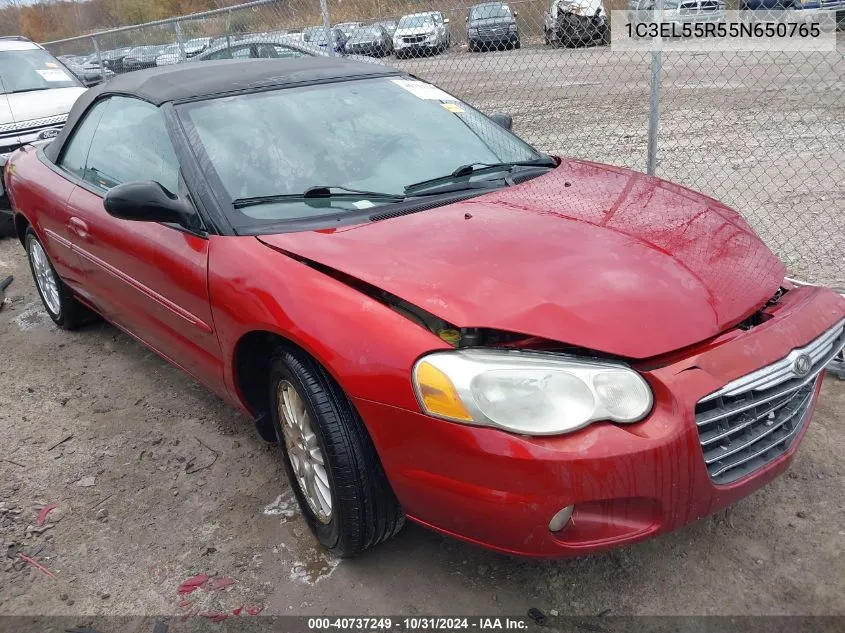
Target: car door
{"x": 148, "y": 278}
{"x": 55, "y": 224}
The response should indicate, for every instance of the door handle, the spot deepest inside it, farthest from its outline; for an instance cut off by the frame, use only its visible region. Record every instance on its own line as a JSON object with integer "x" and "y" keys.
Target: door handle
{"x": 79, "y": 228}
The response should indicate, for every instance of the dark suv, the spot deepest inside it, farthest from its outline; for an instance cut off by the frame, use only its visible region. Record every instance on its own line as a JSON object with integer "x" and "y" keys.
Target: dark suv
{"x": 492, "y": 25}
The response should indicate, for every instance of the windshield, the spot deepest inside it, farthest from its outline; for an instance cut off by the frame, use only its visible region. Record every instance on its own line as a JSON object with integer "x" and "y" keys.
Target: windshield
{"x": 415, "y": 21}
{"x": 371, "y": 135}
{"x": 366, "y": 33}
{"x": 486, "y": 11}
{"x": 33, "y": 69}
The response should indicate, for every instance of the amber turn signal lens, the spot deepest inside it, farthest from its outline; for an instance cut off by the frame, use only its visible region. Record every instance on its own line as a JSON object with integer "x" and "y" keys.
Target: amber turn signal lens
{"x": 438, "y": 395}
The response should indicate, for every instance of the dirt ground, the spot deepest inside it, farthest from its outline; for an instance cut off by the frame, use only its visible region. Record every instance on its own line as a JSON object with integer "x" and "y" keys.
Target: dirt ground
{"x": 155, "y": 481}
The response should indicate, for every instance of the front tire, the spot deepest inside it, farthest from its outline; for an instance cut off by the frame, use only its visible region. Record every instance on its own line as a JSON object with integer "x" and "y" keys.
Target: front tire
{"x": 330, "y": 459}
{"x": 57, "y": 298}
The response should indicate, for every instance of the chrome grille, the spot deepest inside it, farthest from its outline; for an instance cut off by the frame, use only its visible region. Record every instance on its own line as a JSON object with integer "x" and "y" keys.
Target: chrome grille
{"x": 752, "y": 420}
{"x": 23, "y": 127}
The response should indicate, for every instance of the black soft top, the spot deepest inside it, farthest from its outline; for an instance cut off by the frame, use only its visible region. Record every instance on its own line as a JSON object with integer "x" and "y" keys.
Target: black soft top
{"x": 204, "y": 79}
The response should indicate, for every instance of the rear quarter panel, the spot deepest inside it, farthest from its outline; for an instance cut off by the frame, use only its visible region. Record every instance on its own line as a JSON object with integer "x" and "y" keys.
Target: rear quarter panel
{"x": 40, "y": 195}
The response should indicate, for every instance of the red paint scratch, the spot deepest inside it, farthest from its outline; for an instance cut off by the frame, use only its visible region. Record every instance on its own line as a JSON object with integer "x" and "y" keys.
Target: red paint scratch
{"x": 192, "y": 584}
{"x": 42, "y": 514}
{"x": 254, "y": 609}
{"x": 35, "y": 564}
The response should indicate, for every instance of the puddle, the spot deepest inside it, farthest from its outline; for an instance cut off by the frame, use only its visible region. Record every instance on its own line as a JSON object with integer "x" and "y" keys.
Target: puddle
{"x": 284, "y": 507}
{"x": 309, "y": 563}
{"x": 32, "y": 317}
{"x": 312, "y": 565}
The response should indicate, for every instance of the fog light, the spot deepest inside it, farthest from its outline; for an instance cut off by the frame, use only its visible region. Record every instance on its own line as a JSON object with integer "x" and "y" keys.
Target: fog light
{"x": 560, "y": 520}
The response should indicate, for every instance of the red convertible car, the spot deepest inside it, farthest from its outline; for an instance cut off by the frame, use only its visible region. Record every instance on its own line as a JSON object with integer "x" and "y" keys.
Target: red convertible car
{"x": 541, "y": 355}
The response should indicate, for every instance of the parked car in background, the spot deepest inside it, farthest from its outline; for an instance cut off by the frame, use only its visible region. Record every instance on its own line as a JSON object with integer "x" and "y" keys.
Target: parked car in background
{"x": 173, "y": 54}
{"x": 573, "y": 23}
{"x": 143, "y": 57}
{"x": 36, "y": 94}
{"x": 372, "y": 40}
{"x": 262, "y": 47}
{"x": 389, "y": 26}
{"x": 350, "y": 256}
{"x": 169, "y": 55}
{"x": 348, "y": 28}
{"x": 492, "y": 25}
{"x": 678, "y": 12}
{"x": 113, "y": 59}
{"x": 197, "y": 45}
{"x": 421, "y": 33}
{"x": 316, "y": 35}
{"x": 88, "y": 71}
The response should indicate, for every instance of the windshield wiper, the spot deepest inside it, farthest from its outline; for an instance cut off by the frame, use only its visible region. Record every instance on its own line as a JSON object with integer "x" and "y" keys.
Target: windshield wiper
{"x": 318, "y": 192}
{"x": 477, "y": 168}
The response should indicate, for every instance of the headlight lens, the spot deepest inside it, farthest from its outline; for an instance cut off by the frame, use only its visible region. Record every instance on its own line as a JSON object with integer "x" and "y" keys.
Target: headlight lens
{"x": 531, "y": 393}
{"x": 473, "y": 31}
{"x": 512, "y": 28}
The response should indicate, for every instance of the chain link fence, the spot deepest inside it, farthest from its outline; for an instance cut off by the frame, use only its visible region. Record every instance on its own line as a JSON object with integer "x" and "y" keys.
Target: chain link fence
{"x": 764, "y": 132}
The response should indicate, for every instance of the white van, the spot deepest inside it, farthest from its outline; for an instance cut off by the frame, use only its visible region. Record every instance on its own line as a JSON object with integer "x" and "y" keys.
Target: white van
{"x": 36, "y": 94}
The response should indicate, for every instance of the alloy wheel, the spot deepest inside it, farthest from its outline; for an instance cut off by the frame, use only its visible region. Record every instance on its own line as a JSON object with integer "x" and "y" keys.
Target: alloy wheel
{"x": 45, "y": 277}
{"x": 304, "y": 452}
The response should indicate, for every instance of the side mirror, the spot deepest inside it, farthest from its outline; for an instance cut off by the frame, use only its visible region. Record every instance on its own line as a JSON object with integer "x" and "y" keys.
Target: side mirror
{"x": 503, "y": 120}
{"x": 445, "y": 20}
{"x": 515, "y": 14}
{"x": 147, "y": 201}
{"x": 466, "y": 19}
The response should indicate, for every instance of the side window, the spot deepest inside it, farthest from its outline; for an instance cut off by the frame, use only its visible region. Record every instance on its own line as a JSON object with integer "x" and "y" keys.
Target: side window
{"x": 284, "y": 51}
{"x": 76, "y": 152}
{"x": 131, "y": 143}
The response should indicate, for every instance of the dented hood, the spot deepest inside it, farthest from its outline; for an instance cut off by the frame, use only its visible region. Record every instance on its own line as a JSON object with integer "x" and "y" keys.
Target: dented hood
{"x": 588, "y": 255}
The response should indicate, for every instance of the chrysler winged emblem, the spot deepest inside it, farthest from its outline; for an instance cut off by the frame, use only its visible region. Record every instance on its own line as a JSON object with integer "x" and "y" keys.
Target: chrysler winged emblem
{"x": 802, "y": 365}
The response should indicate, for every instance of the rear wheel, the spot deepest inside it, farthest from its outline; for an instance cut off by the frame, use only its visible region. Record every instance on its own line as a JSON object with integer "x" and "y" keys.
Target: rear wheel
{"x": 57, "y": 298}
{"x": 330, "y": 459}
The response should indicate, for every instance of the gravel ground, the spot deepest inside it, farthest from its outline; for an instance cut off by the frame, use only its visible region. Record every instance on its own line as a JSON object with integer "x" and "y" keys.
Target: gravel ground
{"x": 155, "y": 481}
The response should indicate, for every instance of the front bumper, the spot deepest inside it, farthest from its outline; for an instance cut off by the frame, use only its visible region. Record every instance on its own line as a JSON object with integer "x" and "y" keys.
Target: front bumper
{"x": 627, "y": 483}
{"x": 425, "y": 45}
{"x": 491, "y": 39}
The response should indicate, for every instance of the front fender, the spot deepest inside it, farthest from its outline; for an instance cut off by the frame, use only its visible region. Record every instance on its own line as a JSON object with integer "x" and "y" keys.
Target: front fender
{"x": 367, "y": 347}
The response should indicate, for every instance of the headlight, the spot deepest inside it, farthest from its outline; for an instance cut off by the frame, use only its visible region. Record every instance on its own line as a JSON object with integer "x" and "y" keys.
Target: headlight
{"x": 473, "y": 31}
{"x": 512, "y": 28}
{"x": 531, "y": 393}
